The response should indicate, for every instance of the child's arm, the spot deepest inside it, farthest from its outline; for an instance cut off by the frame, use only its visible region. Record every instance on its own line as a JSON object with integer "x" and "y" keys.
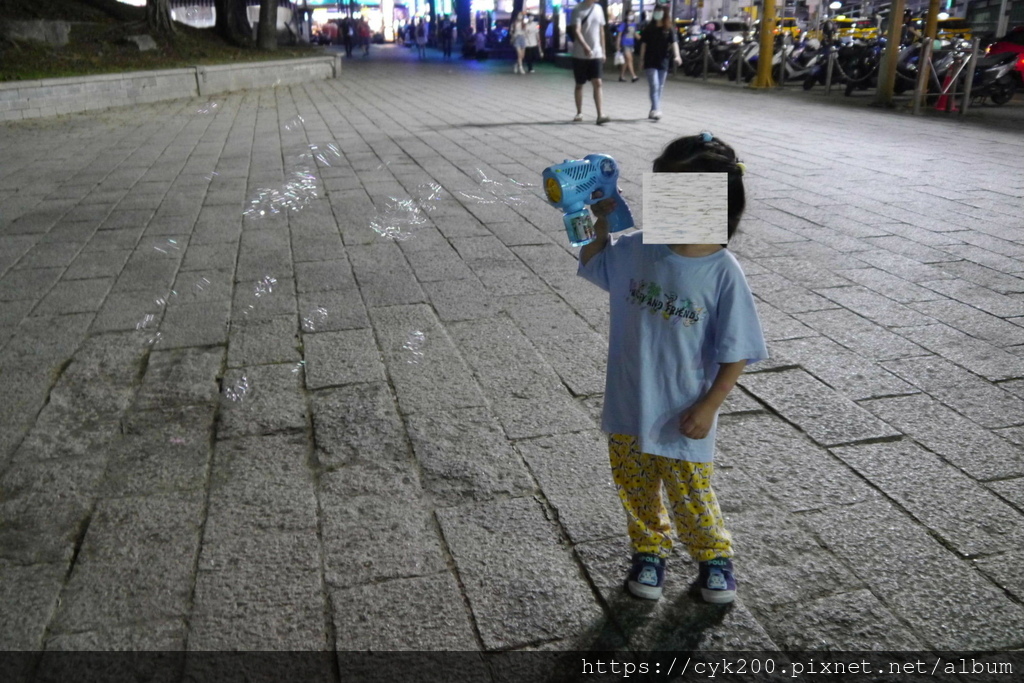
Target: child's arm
{"x": 601, "y": 210}
{"x": 695, "y": 422}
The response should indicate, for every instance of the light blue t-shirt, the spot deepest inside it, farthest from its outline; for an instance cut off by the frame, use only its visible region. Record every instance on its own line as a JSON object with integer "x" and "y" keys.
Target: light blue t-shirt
{"x": 673, "y": 320}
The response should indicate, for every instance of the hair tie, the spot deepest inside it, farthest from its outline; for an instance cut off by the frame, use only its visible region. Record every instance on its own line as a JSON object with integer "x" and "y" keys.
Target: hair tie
{"x": 706, "y": 137}
{"x": 742, "y": 166}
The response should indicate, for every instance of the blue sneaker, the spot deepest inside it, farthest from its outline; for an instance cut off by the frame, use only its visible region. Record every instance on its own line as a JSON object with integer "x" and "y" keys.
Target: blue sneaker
{"x": 717, "y": 584}
{"x": 647, "y": 576}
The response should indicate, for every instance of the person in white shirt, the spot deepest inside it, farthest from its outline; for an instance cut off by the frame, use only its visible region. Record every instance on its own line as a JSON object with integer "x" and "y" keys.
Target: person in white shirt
{"x": 533, "y": 49}
{"x": 588, "y": 52}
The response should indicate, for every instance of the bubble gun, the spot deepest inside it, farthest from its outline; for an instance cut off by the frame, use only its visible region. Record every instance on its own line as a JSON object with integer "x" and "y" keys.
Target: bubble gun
{"x": 576, "y": 183}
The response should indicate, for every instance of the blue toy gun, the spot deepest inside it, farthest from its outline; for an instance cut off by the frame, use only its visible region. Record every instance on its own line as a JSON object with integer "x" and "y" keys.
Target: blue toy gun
{"x": 576, "y": 183}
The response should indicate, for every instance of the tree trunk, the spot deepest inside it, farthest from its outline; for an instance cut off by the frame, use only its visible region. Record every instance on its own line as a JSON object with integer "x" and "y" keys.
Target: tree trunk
{"x": 158, "y": 17}
{"x": 266, "y": 35}
{"x": 233, "y": 22}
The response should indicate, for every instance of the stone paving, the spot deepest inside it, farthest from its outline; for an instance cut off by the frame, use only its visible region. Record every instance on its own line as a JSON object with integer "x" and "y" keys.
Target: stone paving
{"x": 367, "y": 419}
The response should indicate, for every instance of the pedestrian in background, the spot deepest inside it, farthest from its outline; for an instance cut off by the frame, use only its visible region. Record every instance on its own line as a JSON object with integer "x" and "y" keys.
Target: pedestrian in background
{"x": 519, "y": 42}
{"x": 588, "y": 54}
{"x": 534, "y": 52}
{"x": 659, "y": 44}
{"x": 683, "y": 327}
{"x": 447, "y": 36}
{"x": 421, "y": 38}
{"x": 626, "y": 44}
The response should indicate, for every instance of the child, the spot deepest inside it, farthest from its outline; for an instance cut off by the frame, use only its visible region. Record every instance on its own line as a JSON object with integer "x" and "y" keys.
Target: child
{"x": 683, "y": 326}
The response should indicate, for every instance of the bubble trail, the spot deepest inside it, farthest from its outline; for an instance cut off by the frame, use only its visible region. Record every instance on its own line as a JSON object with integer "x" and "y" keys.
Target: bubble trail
{"x": 414, "y": 345}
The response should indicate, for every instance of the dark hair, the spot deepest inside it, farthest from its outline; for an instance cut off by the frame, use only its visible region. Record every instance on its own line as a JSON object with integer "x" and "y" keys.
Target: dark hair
{"x": 706, "y": 154}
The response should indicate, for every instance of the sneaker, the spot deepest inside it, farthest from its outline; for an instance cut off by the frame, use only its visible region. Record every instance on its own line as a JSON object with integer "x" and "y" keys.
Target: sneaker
{"x": 651, "y": 115}
{"x": 601, "y": 120}
{"x": 635, "y": 79}
{"x": 578, "y": 117}
{"x": 656, "y": 114}
{"x": 717, "y": 584}
{"x": 647, "y": 576}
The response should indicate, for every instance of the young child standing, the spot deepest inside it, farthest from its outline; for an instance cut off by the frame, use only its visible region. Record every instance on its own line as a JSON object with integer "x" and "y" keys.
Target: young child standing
{"x": 683, "y": 326}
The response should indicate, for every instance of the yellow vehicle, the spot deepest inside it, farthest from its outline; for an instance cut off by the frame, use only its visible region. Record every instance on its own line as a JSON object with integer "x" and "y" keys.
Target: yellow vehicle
{"x": 788, "y": 25}
{"x": 852, "y": 27}
{"x": 948, "y": 29}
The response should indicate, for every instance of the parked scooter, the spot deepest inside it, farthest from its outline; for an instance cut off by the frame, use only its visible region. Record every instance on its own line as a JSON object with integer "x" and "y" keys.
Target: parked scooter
{"x": 795, "y": 62}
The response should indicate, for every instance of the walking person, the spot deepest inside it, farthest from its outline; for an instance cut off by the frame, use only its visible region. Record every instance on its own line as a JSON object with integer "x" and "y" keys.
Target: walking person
{"x": 534, "y": 52}
{"x": 519, "y": 42}
{"x": 447, "y": 36}
{"x": 658, "y": 44}
{"x": 421, "y": 38}
{"x": 588, "y": 53}
{"x": 626, "y": 44}
{"x": 364, "y": 36}
{"x": 683, "y": 327}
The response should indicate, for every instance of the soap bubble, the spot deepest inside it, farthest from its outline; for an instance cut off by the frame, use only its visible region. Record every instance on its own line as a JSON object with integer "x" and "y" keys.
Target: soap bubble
{"x": 414, "y": 345}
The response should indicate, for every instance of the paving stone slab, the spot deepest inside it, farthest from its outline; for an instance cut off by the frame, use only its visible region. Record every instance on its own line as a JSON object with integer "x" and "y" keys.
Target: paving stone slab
{"x": 776, "y": 325}
{"x": 786, "y": 295}
{"x": 466, "y": 299}
{"x": 271, "y": 295}
{"x": 136, "y": 564}
{"x": 825, "y": 415}
{"x": 542, "y": 316}
{"x": 281, "y": 610}
{"x": 785, "y": 464}
{"x": 739, "y": 400}
{"x": 332, "y": 311}
{"x": 320, "y": 276}
{"x": 199, "y": 324}
{"x": 798, "y": 270}
{"x": 50, "y": 255}
{"x": 388, "y": 534}
{"x": 162, "y": 451}
{"x": 30, "y": 596}
{"x": 423, "y": 363}
{"x": 843, "y": 370}
{"x": 516, "y": 380}
{"x": 984, "y": 298}
{"x": 938, "y": 496}
{"x": 975, "y": 355}
{"x": 771, "y": 547}
{"x": 358, "y": 423}
{"x": 163, "y": 642}
{"x": 889, "y": 285}
{"x": 29, "y": 283}
{"x": 384, "y": 276}
{"x": 974, "y": 322}
{"x": 68, "y": 430}
{"x": 965, "y": 392}
{"x": 984, "y": 277}
{"x": 1005, "y": 570}
{"x": 903, "y": 266}
{"x": 268, "y": 398}
{"x": 956, "y": 609}
{"x": 178, "y": 377}
{"x": 464, "y": 455}
{"x": 860, "y": 335}
{"x": 574, "y": 472}
{"x": 415, "y": 614}
{"x": 848, "y": 621}
{"x": 978, "y": 452}
{"x": 875, "y": 307}
{"x": 264, "y": 341}
{"x": 521, "y": 581}
{"x": 201, "y": 286}
{"x": 337, "y": 358}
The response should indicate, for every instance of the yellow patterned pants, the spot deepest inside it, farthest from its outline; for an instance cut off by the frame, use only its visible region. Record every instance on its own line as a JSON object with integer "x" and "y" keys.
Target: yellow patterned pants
{"x": 640, "y": 477}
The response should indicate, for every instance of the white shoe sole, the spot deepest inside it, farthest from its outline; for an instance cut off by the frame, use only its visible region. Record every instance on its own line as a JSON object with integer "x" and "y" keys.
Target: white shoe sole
{"x": 645, "y": 592}
{"x": 717, "y": 597}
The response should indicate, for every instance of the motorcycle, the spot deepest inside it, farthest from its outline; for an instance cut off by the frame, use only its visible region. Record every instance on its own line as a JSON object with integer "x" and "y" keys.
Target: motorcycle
{"x": 795, "y": 62}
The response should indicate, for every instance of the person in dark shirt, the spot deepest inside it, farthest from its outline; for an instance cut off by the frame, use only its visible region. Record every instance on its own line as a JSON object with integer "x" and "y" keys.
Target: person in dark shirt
{"x": 658, "y": 45}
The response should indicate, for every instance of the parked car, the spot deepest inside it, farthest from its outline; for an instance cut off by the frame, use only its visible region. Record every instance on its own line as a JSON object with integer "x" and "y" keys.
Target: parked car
{"x": 854, "y": 27}
{"x": 729, "y": 31}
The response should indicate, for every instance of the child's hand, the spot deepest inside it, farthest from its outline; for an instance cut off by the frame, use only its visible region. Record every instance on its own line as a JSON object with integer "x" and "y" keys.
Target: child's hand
{"x": 604, "y": 207}
{"x": 696, "y": 421}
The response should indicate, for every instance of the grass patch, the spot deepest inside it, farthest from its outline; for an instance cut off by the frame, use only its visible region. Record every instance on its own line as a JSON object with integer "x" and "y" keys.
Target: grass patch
{"x": 97, "y": 44}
